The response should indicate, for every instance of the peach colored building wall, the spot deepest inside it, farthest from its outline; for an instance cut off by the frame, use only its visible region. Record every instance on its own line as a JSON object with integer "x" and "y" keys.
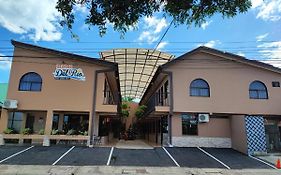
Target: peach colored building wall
{"x": 176, "y": 125}
{"x": 229, "y": 86}
{"x": 55, "y": 95}
{"x": 100, "y": 106}
{"x": 238, "y": 133}
{"x": 65, "y": 95}
{"x": 216, "y": 127}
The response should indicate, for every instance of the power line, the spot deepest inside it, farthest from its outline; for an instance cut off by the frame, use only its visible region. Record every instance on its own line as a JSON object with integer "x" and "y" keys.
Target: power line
{"x": 157, "y": 45}
{"x": 190, "y": 59}
{"x": 145, "y": 42}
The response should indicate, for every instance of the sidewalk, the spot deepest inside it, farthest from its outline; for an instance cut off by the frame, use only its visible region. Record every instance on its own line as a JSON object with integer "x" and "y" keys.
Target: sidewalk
{"x": 118, "y": 170}
{"x": 133, "y": 144}
{"x": 270, "y": 158}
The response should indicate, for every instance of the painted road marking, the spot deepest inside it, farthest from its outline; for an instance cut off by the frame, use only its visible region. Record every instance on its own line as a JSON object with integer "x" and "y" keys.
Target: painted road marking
{"x": 63, "y": 155}
{"x": 110, "y": 155}
{"x": 210, "y": 155}
{"x": 171, "y": 157}
{"x": 268, "y": 164}
{"x": 13, "y": 155}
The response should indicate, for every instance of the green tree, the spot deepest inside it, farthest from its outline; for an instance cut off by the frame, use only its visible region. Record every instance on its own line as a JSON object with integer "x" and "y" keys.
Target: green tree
{"x": 124, "y": 14}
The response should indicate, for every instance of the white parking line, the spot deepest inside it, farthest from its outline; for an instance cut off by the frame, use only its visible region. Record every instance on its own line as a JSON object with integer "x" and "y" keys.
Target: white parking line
{"x": 110, "y": 155}
{"x": 210, "y": 155}
{"x": 171, "y": 157}
{"x": 63, "y": 155}
{"x": 16, "y": 154}
{"x": 263, "y": 162}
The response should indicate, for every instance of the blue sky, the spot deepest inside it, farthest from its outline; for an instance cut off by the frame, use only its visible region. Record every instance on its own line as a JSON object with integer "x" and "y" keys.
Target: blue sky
{"x": 255, "y": 34}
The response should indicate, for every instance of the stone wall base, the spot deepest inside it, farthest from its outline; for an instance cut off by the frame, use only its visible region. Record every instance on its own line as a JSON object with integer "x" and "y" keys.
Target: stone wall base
{"x": 193, "y": 141}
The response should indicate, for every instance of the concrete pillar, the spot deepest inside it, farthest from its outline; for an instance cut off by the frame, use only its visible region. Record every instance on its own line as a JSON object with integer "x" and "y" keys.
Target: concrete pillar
{"x": 89, "y": 129}
{"x": 4, "y": 120}
{"x": 2, "y": 142}
{"x": 46, "y": 141}
{"x": 49, "y": 122}
{"x": 238, "y": 133}
{"x": 24, "y": 116}
{"x": 170, "y": 131}
{"x": 96, "y": 125}
{"x": 60, "y": 124}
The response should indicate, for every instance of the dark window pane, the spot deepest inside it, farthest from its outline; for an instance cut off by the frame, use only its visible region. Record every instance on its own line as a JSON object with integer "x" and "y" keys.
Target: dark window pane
{"x": 194, "y": 92}
{"x": 189, "y": 124}
{"x": 199, "y": 87}
{"x": 25, "y": 86}
{"x": 30, "y": 82}
{"x": 204, "y": 92}
{"x": 257, "y": 86}
{"x": 15, "y": 121}
{"x": 262, "y": 95}
{"x": 199, "y": 83}
{"x": 253, "y": 94}
{"x": 35, "y": 87}
{"x": 257, "y": 90}
{"x": 55, "y": 122}
{"x": 275, "y": 84}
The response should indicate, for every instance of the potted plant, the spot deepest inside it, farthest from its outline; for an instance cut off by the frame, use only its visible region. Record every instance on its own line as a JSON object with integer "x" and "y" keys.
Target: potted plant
{"x": 41, "y": 132}
{"x": 26, "y": 131}
{"x": 125, "y": 109}
{"x": 9, "y": 131}
{"x": 140, "y": 111}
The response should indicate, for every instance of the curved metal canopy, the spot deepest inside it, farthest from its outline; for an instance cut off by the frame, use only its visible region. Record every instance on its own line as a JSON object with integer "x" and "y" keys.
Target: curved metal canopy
{"x": 136, "y": 68}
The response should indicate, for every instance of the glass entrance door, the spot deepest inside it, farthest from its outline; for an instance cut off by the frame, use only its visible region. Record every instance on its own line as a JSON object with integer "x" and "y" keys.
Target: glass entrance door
{"x": 272, "y": 133}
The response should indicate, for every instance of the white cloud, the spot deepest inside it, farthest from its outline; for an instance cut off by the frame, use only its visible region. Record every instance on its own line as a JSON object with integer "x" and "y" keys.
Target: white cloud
{"x": 162, "y": 45}
{"x": 241, "y": 54}
{"x": 261, "y": 37}
{"x": 155, "y": 24}
{"x": 256, "y": 3}
{"x": 206, "y": 24}
{"x": 81, "y": 8}
{"x": 272, "y": 52}
{"x": 5, "y": 62}
{"x": 210, "y": 44}
{"x": 268, "y": 10}
{"x": 148, "y": 36}
{"x": 152, "y": 28}
{"x": 33, "y": 19}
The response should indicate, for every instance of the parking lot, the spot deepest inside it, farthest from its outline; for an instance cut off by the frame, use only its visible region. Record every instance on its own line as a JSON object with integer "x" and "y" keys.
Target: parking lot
{"x": 157, "y": 157}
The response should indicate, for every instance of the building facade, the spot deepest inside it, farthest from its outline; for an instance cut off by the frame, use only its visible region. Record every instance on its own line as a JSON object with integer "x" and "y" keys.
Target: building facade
{"x": 209, "y": 98}
{"x": 204, "y": 98}
{"x": 60, "y": 97}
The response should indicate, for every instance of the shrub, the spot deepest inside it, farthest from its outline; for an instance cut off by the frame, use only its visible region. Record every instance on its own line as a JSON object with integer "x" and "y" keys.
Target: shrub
{"x": 55, "y": 132}
{"x": 140, "y": 111}
{"x": 41, "y": 132}
{"x": 124, "y": 106}
{"x": 125, "y": 113}
{"x": 71, "y": 132}
{"x": 9, "y": 131}
{"x": 84, "y": 133}
{"x": 26, "y": 131}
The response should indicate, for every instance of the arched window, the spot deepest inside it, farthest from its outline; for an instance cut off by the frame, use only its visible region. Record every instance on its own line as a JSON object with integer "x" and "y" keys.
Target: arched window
{"x": 199, "y": 87}
{"x": 258, "y": 90}
{"x": 30, "y": 82}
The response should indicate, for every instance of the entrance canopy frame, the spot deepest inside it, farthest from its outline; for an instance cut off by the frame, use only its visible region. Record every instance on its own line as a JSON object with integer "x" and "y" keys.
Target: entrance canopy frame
{"x": 136, "y": 68}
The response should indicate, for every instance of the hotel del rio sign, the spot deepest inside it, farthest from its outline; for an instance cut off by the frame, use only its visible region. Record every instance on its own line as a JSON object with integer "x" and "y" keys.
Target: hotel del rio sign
{"x": 67, "y": 72}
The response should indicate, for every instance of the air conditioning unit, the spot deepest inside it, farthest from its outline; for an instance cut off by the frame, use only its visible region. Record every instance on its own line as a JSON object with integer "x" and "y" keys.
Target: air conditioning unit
{"x": 203, "y": 118}
{"x": 10, "y": 104}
